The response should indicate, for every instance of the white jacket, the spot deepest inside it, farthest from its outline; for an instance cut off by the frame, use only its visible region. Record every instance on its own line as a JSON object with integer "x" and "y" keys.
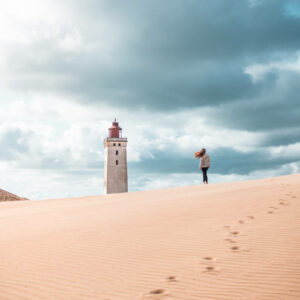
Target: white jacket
{"x": 204, "y": 161}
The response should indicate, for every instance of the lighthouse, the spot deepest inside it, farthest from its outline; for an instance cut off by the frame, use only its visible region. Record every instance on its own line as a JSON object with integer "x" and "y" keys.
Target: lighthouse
{"x": 115, "y": 161}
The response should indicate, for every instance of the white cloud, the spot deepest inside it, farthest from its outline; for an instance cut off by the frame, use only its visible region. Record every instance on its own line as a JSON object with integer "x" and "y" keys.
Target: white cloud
{"x": 259, "y": 71}
{"x": 36, "y": 184}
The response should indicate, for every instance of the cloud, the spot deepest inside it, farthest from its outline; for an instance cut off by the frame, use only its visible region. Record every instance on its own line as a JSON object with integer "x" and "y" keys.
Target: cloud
{"x": 275, "y": 108}
{"x": 44, "y": 147}
{"x": 224, "y": 161}
{"x": 281, "y": 137}
{"x": 159, "y": 56}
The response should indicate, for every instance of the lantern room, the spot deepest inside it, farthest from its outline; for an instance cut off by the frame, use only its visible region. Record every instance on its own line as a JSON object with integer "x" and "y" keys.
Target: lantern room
{"x": 115, "y": 131}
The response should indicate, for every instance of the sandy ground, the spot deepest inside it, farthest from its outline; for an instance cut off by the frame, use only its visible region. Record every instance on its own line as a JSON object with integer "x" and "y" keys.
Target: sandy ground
{"x": 235, "y": 241}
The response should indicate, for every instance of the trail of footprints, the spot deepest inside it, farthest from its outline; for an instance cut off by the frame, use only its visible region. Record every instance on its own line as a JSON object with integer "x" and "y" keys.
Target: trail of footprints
{"x": 281, "y": 202}
{"x": 234, "y": 234}
{"x": 210, "y": 263}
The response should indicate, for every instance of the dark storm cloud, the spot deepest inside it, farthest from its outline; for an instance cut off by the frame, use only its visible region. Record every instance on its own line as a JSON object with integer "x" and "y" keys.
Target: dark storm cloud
{"x": 193, "y": 53}
{"x": 282, "y": 137}
{"x": 183, "y": 31}
{"x": 182, "y": 89}
{"x": 229, "y": 161}
{"x": 223, "y": 161}
{"x": 277, "y": 108}
{"x": 168, "y": 55}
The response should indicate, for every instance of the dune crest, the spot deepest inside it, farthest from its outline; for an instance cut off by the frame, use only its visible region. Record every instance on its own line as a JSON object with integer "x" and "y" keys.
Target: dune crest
{"x": 232, "y": 241}
{"x": 6, "y": 196}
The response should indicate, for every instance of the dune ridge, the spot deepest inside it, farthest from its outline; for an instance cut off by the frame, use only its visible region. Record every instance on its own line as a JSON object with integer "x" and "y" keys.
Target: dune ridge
{"x": 6, "y": 196}
{"x": 224, "y": 241}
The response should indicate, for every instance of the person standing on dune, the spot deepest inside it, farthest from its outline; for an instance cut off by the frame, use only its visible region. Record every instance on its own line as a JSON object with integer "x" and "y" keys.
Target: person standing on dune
{"x": 204, "y": 163}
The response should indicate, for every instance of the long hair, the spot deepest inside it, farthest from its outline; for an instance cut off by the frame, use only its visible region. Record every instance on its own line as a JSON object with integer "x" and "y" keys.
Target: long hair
{"x": 202, "y": 152}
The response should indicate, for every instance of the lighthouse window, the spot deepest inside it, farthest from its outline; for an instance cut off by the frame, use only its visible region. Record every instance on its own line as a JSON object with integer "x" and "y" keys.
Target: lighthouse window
{"x": 117, "y": 152}
{"x": 119, "y": 144}
{"x": 117, "y": 162}
{"x": 114, "y": 144}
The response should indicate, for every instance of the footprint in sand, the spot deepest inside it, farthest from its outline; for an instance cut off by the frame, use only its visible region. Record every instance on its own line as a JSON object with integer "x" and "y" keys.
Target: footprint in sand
{"x": 210, "y": 264}
{"x": 273, "y": 207}
{"x": 270, "y": 212}
{"x": 241, "y": 222}
{"x": 156, "y": 294}
{"x": 230, "y": 240}
{"x": 235, "y": 248}
{"x": 208, "y": 258}
{"x": 235, "y": 232}
{"x": 171, "y": 279}
{"x": 283, "y": 200}
{"x": 250, "y": 217}
{"x": 211, "y": 269}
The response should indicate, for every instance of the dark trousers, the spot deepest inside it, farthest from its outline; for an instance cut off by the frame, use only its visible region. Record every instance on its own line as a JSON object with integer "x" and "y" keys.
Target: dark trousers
{"x": 204, "y": 171}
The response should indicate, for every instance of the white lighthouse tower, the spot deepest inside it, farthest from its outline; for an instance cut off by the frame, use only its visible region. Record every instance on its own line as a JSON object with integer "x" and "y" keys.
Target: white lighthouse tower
{"x": 115, "y": 161}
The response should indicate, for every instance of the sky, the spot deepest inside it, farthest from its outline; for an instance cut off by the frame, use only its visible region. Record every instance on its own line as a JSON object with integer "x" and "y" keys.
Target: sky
{"x": 178, "y": 75}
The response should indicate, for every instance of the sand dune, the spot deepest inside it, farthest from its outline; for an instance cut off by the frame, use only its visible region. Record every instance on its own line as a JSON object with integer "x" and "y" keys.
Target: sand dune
{"x": 225, "y": 241}
{"x": 6, "y": 196}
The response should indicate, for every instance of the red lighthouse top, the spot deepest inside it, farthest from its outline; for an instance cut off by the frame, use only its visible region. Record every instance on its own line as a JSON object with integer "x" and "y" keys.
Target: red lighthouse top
{"x": 115, "y": 131}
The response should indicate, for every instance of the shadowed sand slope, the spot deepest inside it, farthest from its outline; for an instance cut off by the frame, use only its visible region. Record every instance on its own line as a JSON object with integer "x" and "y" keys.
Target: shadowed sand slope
{"x": 235, "y": 241}
{"x": 6, "y": 196}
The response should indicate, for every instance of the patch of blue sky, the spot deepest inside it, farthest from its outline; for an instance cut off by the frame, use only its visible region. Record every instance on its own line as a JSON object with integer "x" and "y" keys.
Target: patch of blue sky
{"x": 292, "y": 9}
